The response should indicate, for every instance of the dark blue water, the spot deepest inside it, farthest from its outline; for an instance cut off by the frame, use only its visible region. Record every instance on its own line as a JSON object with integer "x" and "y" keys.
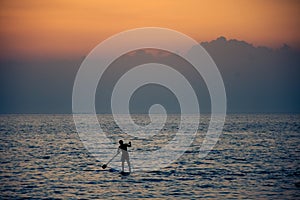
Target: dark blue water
{"x": 257, "y": 156}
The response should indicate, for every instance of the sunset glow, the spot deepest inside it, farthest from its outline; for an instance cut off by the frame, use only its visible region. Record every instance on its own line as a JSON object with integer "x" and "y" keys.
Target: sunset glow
{"x": 72, "y": 28}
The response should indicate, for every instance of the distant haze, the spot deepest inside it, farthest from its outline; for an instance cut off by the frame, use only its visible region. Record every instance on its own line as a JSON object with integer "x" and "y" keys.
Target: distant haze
{"x": 257, "y": 80}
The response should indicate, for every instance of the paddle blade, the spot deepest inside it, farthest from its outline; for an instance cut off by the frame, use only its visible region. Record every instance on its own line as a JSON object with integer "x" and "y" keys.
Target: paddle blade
{"x": 104, "y": 166}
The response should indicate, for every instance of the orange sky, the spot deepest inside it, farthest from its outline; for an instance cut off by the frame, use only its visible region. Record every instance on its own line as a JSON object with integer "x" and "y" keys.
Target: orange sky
{"x": 31, "y": 28}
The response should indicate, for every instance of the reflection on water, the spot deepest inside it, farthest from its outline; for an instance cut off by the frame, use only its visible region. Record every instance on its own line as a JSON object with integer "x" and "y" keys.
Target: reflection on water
{"x": 257, "y": 156}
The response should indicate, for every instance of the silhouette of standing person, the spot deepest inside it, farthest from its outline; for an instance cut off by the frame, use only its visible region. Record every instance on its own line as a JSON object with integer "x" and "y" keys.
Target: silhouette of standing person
{"x": 125, "y": 156}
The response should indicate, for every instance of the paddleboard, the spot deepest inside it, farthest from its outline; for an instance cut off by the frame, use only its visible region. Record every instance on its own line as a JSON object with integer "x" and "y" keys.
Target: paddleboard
{"x": 125, "y": 173}
{"x": 118, "y": 171}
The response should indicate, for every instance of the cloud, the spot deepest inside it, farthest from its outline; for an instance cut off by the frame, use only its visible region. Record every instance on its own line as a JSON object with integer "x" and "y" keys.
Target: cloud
{"x": 257, "y": 79}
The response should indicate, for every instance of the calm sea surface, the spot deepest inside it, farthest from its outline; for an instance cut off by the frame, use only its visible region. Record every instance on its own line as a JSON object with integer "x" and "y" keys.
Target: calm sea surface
{"x": 256, "y": 157}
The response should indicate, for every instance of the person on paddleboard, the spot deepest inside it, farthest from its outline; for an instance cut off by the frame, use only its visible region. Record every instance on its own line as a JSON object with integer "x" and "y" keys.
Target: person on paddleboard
{"x": 125, "y": 155}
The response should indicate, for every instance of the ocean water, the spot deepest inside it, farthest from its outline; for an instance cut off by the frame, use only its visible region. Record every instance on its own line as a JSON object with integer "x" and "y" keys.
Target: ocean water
{"x": 256, "y": 157}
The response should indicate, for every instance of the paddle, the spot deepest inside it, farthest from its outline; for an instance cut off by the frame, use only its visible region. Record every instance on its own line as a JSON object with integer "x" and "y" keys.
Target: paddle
{"x": 105, "y": 165}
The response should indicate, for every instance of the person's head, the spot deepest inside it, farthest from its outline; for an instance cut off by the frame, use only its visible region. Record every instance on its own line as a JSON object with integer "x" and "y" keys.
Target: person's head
{"x": 120, "y": 141}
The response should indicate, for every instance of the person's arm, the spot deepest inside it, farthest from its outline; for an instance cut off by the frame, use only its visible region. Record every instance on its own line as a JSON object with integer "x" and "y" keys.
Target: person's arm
{"x": 129, "y": 144}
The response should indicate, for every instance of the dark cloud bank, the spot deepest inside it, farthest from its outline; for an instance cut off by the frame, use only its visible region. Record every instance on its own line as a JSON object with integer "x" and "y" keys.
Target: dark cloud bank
{"x": 257, "y": 80}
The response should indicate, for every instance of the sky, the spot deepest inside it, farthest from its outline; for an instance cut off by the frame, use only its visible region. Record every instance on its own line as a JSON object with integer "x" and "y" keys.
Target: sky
{"x": 70, "y": 28}
{"x": 42, "y": 44}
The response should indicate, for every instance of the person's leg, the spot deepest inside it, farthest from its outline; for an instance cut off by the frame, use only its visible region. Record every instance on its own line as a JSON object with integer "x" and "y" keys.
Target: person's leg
{"x": 129, "y": 167}
{"x": 123, "y": 158}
